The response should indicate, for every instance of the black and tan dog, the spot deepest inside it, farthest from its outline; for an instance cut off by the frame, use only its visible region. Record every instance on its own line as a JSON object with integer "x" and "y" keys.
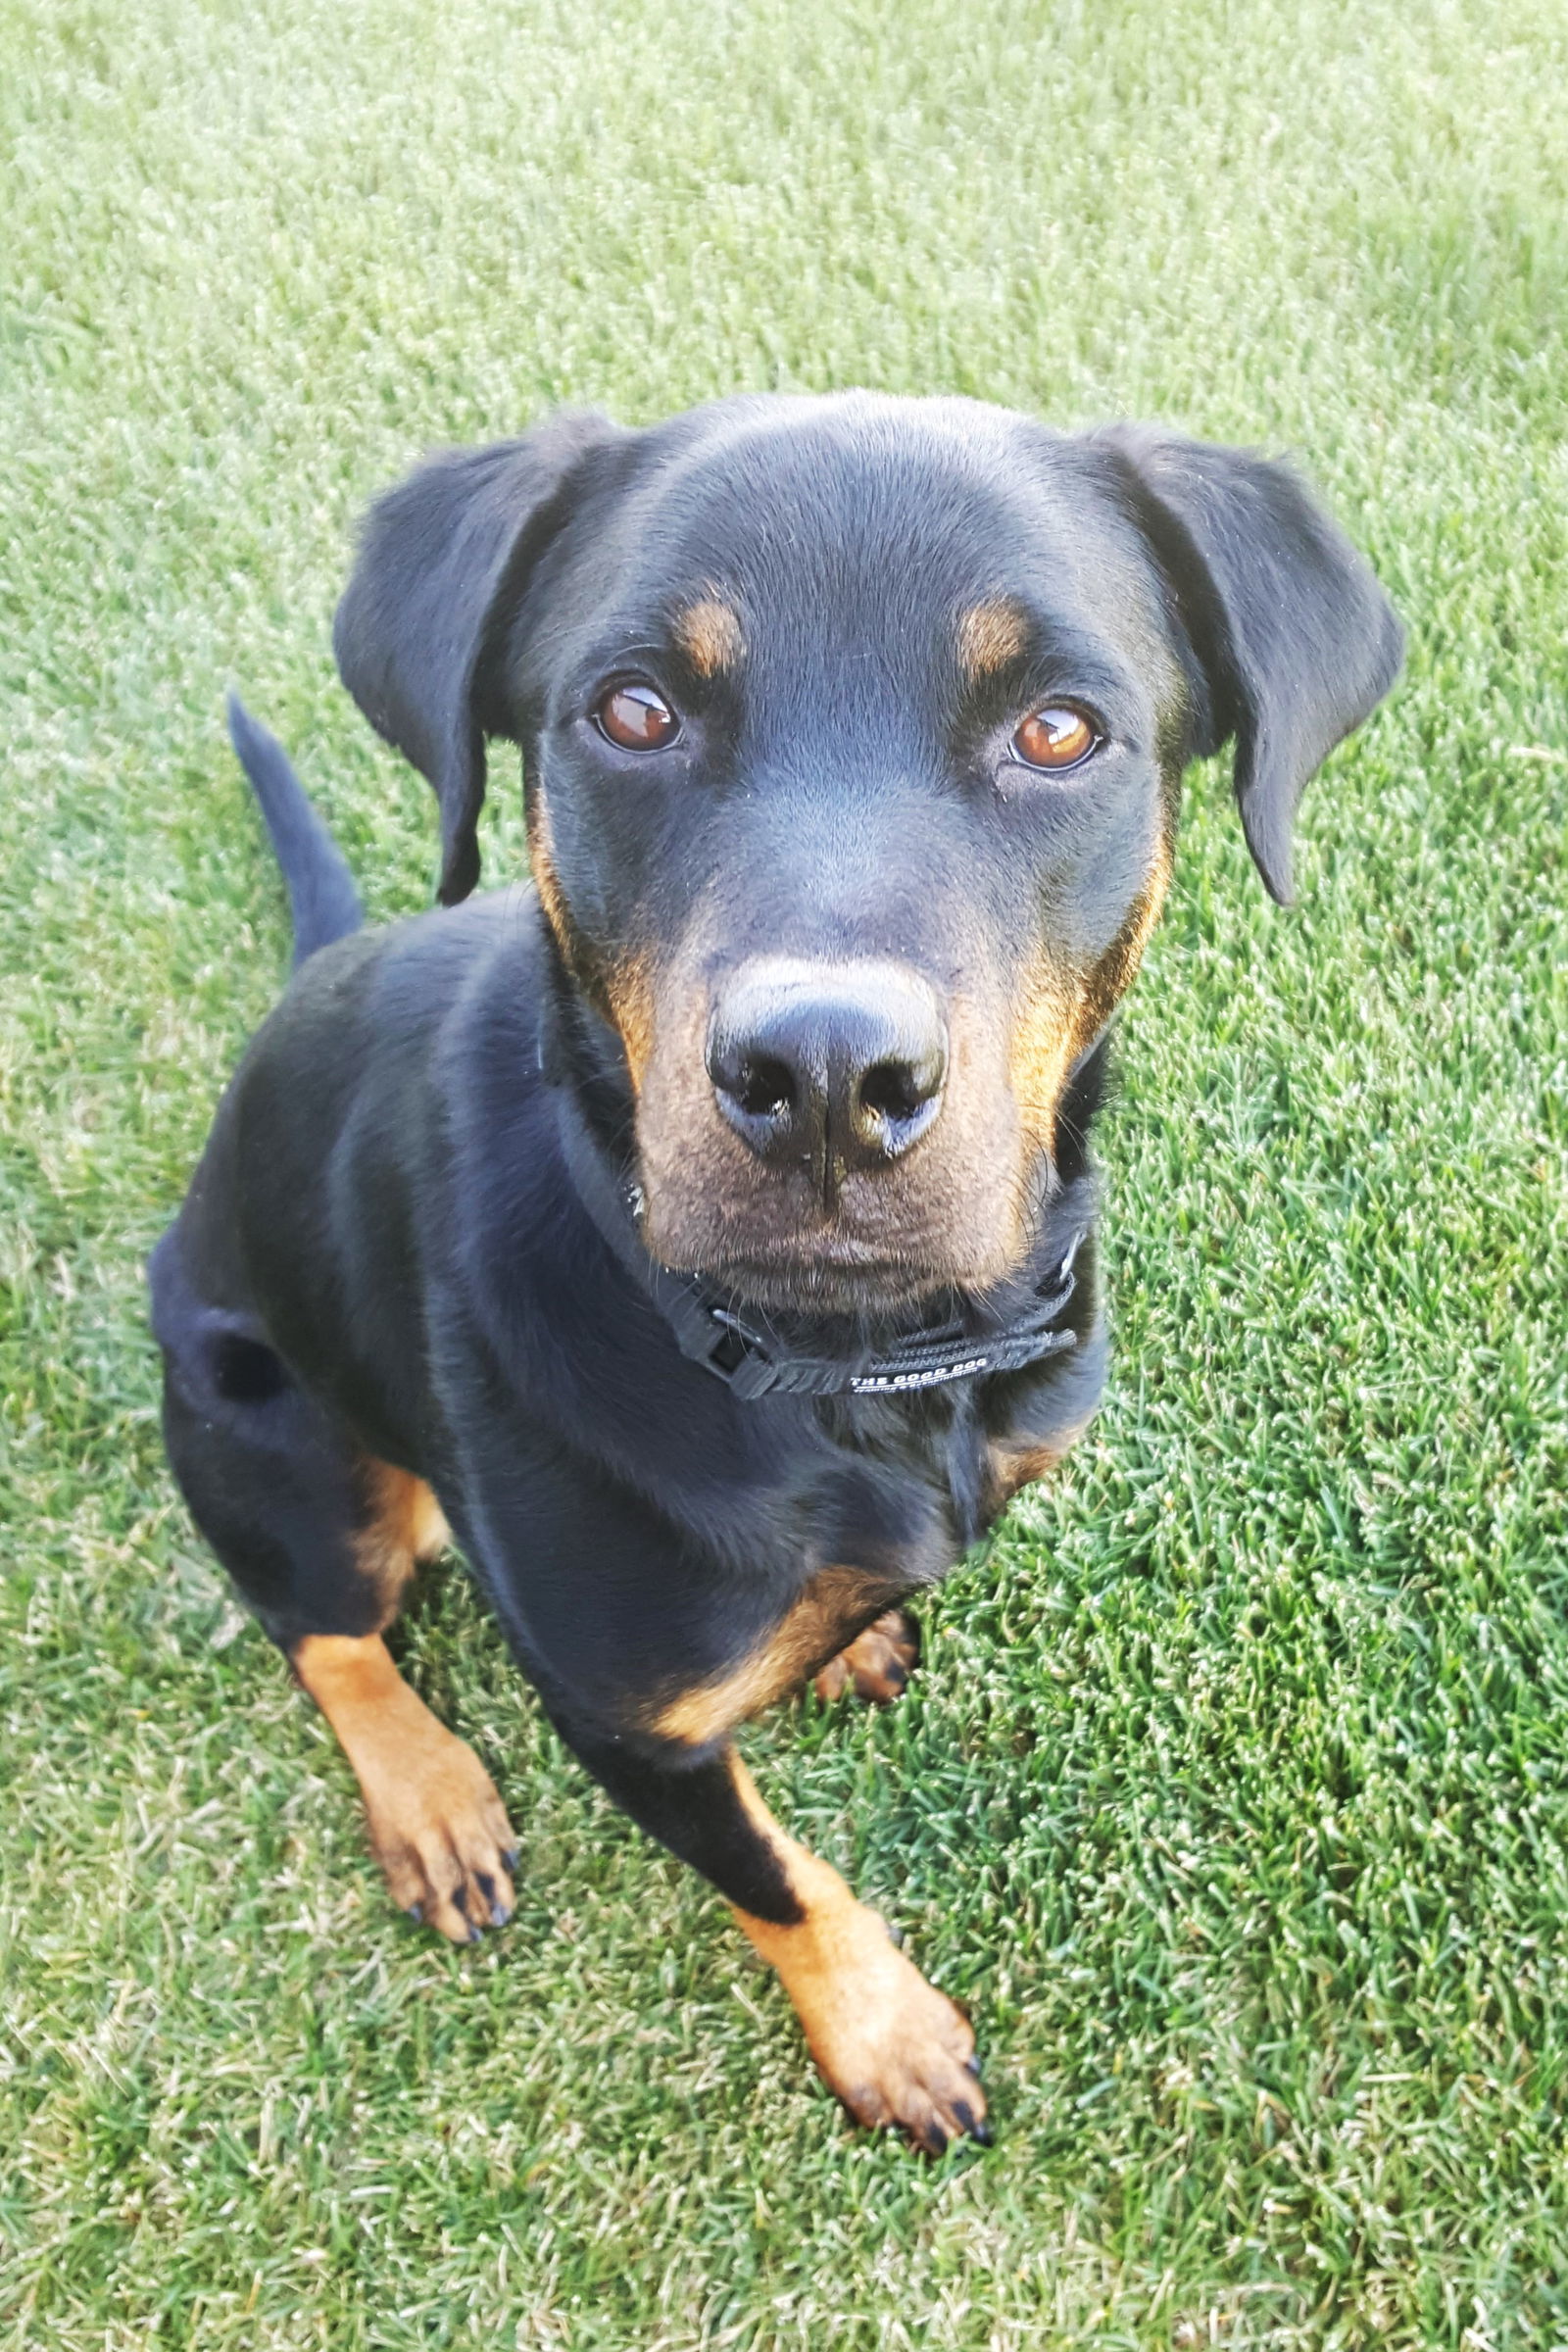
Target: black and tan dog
{"x": 705, "y": 1236}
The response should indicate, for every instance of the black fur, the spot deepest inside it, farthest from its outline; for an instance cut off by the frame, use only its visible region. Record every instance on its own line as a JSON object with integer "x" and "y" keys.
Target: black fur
{"x": 1293, "y": 645}
{"x": 443, "y": 558}
{"x": 383, "y": 1257}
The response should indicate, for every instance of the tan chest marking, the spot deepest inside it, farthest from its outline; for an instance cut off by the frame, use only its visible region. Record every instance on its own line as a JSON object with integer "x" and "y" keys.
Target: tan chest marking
{"x": 1012, "y": 1467}
{"x": 833, "y": 1604}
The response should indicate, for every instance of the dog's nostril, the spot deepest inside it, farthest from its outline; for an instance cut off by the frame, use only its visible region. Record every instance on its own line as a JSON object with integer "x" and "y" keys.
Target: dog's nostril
{"x": 767, "y": 1089}
{"x": 893, "y": 1091}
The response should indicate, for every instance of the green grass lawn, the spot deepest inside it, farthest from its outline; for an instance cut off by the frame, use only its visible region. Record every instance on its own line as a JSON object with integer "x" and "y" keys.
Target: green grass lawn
{"x": 1233, "y": 1793}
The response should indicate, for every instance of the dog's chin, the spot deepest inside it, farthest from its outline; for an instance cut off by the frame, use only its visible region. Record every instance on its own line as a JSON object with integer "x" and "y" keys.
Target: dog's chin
{"x": 820, "y": 1276}
{"x": 875, "y": 1255}
{"x": 823, "y": 1288}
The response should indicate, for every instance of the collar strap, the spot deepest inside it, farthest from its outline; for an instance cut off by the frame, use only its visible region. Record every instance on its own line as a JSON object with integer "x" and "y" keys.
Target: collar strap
{"x": 711, "y": 1329}
{"x": 756, "y": 1363}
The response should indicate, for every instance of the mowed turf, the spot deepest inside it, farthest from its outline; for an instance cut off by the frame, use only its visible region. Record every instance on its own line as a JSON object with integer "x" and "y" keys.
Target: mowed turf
{"x": 1233, "y": 1794}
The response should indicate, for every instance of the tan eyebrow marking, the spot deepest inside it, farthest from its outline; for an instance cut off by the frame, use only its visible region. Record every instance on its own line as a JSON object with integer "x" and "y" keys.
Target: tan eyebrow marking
{"x": 990, "y": 635}
{"x": 709, "y": 633}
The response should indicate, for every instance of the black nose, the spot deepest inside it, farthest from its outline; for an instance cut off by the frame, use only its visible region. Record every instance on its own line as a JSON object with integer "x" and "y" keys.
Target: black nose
{"x": 831, "y": 1066}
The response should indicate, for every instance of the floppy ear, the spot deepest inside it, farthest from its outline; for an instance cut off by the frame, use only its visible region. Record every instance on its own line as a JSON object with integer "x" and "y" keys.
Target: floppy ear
{"x": 441, "y": 561}
{"x": 1296, "y": 641}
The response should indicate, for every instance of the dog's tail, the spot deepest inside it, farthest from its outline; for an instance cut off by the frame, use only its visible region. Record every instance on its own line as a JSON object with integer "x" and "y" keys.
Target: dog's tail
{"x": 321, "y": 896}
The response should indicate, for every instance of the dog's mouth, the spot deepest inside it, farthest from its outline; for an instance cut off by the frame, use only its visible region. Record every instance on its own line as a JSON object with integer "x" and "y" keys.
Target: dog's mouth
{"x": 827, "y": 1282}
{"x": 882, "y": 1251}
{"x": 831, "y": 1272}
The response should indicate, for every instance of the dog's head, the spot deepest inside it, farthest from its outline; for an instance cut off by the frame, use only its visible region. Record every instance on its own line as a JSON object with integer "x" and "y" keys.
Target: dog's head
{"x": 853, "y": 731}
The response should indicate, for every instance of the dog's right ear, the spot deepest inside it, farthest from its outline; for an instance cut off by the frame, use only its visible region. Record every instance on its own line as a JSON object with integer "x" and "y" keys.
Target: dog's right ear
{"x": 1298, "y": 641}
{"x": 442, "y": 560}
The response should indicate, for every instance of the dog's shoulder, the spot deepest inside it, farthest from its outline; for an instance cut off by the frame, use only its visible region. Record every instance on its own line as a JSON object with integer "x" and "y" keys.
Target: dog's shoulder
{"x": 374, "y": 1013}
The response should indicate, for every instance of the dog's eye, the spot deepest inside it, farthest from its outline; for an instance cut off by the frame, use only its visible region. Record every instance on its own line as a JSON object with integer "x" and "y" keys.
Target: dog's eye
{"x": 1055, "y": 736}
{"x": 636, "y": 715}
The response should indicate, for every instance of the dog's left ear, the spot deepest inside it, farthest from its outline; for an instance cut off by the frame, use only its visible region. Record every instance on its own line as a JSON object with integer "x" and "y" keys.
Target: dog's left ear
{"x": 1297, "y": 642}
{"x": 443, "y": 559}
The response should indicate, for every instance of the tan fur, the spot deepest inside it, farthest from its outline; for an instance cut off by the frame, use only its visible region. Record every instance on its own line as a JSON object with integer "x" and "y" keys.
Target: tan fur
{"x": 542, "y": 859}
{"x": 990, "y": 636}
{"x": 831, "y": 1602}
{"x": 1011, "y": 1468}
{"x": 948, "y": 1206}
{"x": 436, "y": 1822}
{"x": 892, "y": 2048}
{"x": 1041, "y": 1049}
{"x": 404, "y": 1523}
{"x": 407, "y": 1523}
{"x": 623, "y": 995}
{"x": 1059, "y": 1017}
{"x": 628, "y": 995}
{"x": 1117, "y": 969}
{"x": 709, "y": 635}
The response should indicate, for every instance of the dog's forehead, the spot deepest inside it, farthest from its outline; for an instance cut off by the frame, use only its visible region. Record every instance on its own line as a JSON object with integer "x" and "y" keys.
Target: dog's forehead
{"x": 807, "y": 515}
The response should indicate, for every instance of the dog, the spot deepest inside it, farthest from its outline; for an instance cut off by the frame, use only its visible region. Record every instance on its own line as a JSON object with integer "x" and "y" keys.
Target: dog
{"x": 704, "y": 1239}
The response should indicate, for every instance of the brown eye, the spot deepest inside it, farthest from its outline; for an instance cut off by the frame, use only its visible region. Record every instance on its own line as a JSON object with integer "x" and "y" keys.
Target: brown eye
{"x": 1057, "y": 736}
{"x": 637, "y": 717}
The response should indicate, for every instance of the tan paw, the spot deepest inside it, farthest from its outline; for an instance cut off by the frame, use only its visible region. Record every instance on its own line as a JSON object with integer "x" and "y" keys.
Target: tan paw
{"x": 439, "y": 1830}
{"x": 898, "y": 2053}
{"x": 442, "y": 1837}
{"x": 877, "y": 1663}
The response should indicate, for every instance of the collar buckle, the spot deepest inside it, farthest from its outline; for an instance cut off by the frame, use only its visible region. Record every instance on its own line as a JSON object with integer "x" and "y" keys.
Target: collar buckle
{"x": 738, "y": 1355}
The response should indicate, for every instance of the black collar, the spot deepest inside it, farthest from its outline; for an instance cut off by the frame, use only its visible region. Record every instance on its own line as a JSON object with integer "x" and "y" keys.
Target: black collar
{"x": 738, "y": 1346}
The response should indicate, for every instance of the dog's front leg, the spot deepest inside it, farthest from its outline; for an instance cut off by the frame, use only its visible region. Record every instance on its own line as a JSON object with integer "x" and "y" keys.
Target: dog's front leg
{"x": 893, "y": 2048}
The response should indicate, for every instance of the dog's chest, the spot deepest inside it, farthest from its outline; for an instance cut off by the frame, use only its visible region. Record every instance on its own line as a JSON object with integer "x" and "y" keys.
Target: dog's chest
{"x": 905, "y": 1479}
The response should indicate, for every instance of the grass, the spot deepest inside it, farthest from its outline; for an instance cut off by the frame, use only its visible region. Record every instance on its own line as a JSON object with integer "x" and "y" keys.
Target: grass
{"x": 1234, "y": 1796}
